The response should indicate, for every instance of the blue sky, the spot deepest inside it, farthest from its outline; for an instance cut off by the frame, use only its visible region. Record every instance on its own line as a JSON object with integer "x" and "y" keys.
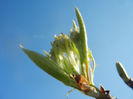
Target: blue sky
{"x": 34, "y": 23}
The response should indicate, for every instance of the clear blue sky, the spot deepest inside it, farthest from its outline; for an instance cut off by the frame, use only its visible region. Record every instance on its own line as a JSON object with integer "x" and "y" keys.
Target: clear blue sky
{"x": 33, "y": 23}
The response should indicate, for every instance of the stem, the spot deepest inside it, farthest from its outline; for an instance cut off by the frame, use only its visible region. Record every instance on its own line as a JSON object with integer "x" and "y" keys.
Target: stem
{"x": 87, "y": 71}
{"x": 94, "y": 64}
{"x": 130, "y": 83}
{"x": 106, "y": 97}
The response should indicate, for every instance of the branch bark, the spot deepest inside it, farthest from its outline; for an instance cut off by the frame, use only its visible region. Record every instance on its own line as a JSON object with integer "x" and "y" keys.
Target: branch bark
{"x": 130, "y": 83}
{"x": 106, "y": 97}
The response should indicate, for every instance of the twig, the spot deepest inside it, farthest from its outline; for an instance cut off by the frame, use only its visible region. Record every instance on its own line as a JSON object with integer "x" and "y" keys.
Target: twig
{"x": 122, "y": 72}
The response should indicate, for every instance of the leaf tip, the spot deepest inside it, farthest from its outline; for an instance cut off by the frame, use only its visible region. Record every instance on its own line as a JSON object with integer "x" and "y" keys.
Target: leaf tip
{"x": 21, "y": 46}
{"x": 46, "y": 53}
{"x": 74, "y": 24}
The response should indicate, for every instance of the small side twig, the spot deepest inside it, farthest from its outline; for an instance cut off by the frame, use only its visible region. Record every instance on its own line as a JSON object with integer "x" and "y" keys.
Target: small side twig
{"x": 130, "y": 83}
{"x": 122, "y": 72}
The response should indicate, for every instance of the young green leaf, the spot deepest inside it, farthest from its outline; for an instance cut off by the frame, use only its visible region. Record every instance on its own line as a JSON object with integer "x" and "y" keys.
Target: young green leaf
{"x": 79, "y": 37}
{"x": 50, "y": 67}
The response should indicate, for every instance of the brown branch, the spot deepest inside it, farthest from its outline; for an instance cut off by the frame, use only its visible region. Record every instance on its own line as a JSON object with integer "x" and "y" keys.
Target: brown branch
{"x": 106, "y": 97}
{"x": 130, "y": 83}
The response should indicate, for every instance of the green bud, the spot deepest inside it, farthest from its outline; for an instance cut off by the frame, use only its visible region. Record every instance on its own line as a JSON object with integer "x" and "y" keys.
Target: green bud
{"x": 122, "y": 71}
{"x": 65, "y": 53}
